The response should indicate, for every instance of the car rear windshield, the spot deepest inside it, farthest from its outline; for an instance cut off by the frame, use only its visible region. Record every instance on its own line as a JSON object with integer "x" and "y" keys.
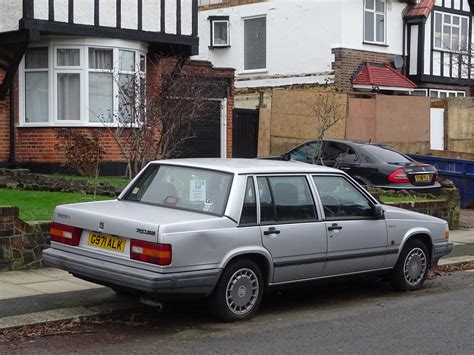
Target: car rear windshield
{"x": 192, "y": 189}
{"x": 386, "y": 155}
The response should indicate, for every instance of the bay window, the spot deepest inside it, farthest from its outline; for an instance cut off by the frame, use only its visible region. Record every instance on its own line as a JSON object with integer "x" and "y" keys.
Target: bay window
{"x": 36, "y": 85}
{"x": 67, "y": 73}
{"x": 78, "y": 83}
{"x": 101, "y": 83}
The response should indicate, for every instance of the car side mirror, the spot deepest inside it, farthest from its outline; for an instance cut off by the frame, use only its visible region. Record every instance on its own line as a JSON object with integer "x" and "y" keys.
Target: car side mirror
{"x": 378, "y": 211}
{"x": 286, "y": 157}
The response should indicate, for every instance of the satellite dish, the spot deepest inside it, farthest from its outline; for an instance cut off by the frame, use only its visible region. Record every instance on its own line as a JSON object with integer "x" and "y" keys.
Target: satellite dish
{"x": 398, "y": 61}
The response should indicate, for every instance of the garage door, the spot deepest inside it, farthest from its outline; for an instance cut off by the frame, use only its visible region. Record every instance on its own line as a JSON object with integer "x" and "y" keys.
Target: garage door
{"x": 206, "y": 141}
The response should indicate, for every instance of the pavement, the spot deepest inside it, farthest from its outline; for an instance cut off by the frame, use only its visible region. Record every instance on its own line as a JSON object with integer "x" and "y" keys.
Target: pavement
{"x": 49, "y": 294}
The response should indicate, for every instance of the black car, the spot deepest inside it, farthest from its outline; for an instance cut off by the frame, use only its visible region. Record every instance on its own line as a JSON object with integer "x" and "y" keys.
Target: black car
{"x": 370, "y": 164}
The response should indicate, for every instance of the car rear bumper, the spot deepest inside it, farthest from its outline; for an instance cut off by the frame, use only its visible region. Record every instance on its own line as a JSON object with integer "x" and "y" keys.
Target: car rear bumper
{"x": 439, "y": 250}
{"x": 112, "y": 274}
{"x": 436, "y": 185}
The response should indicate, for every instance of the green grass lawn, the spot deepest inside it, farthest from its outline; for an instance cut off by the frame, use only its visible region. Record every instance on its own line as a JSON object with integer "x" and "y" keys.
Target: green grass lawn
{"x": 39, "y": 205}
{"x": 107, "y": 180}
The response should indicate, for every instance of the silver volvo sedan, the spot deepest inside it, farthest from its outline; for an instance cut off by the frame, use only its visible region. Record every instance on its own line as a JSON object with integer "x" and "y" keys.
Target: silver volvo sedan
{"x": 229, "y": 228}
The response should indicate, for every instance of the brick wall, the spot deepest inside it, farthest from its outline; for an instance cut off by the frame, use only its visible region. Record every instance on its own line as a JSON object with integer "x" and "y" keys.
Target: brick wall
{"x": 21, "y": 244}
{"x": 38, "y": 145}
{"x": 347, "y": 61}
{"x": 4, "y": 130}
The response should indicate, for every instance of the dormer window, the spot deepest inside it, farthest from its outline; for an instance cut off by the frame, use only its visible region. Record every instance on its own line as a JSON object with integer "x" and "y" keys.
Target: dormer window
{"x": 220, "y": 36}
{"x": 374, "y": 21}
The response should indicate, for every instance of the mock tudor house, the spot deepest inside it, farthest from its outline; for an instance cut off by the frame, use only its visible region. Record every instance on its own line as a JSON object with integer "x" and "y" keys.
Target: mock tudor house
{"x": 58, "y": 64}
{"x": 417, "y": 47}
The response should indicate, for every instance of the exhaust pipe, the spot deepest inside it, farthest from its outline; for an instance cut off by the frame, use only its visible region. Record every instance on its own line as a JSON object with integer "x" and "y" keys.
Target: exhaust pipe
{"x": 153, "y": 302}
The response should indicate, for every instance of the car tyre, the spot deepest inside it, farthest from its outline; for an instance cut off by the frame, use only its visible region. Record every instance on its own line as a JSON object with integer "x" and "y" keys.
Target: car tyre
{"x": 412, "y": 267}
{"x": 239, "y": 291}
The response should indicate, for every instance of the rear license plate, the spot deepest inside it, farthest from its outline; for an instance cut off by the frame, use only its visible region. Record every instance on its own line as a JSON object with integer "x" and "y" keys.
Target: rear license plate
{"x": 423, "y": 178}
{"x": 106, "y": 242}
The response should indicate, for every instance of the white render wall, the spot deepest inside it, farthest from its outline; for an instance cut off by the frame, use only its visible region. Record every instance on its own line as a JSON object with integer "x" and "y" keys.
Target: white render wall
{"x": 299, "y": 41}
{"x": 352, "y": 30}
{"x": 10, "y": 14}
{"x": 300, "y": 37}
{"x": 11, "y": 11}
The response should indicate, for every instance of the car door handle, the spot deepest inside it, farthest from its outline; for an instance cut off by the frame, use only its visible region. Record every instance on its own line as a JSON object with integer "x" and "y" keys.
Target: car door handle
{"x": 271, "y": 230}
{"x": 335, "y": 226}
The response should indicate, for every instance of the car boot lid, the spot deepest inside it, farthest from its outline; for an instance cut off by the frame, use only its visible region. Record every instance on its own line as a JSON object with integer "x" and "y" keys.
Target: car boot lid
{"x": 123, "y": 218}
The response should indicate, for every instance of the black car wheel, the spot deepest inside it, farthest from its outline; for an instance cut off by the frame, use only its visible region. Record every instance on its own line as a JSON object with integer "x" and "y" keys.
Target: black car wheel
{"x": 239, "y": 291}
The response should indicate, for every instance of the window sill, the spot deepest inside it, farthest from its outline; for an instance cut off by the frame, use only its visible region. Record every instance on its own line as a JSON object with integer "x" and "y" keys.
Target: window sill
{"x": 253, "y": 71}
{"x": 66, "y": 125}
{"x": 375, "y": 44}
{"x": 219, "y": 47}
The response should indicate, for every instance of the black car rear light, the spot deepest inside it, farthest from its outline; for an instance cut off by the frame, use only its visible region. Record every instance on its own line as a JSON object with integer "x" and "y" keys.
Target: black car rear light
{"x": 399, "y": 176}
{"x": 153, "y": 253}
{"x": 64, "y": 234}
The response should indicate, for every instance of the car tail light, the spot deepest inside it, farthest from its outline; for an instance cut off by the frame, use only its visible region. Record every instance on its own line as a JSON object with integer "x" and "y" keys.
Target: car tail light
{"x": 154, "y": 253}
{"x": 65, "y": 234}
{"x": 437, "y": 178}
{"x": 399, "y": 176}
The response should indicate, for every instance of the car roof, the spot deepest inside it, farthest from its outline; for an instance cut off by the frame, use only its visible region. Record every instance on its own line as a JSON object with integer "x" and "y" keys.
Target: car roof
{"x": 359, "y": 143}
{"x": 249, "y": 166}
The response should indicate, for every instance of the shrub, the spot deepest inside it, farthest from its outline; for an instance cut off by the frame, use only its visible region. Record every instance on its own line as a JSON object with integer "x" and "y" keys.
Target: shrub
{"x": 82, "y": 152}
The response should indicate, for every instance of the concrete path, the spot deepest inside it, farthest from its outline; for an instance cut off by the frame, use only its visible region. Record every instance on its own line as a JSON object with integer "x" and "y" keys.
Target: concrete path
{"x": 14, "y": 284}
{"x": 48, "y": 294}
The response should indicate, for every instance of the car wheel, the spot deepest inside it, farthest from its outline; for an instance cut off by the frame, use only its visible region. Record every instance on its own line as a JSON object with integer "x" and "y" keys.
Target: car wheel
{"x": 412, "y": 267}
{"x": 239, "y": 291}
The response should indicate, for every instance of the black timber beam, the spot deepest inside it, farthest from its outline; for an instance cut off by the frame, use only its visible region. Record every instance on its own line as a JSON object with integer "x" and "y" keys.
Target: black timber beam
{"x": 12, "y": 69}
{"x": 15, "y": 37}
{"x": 108, "y": 32}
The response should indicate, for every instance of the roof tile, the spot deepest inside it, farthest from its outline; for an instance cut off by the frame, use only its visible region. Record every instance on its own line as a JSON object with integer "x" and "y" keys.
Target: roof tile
{"x": 423, "y": 8}
{"x": 381, "y": 75}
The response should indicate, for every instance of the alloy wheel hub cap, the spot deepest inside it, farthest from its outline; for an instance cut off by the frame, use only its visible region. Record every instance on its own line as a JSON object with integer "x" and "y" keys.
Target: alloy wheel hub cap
{"x": 242, "y": 291}
{"x": 415, "y": 266}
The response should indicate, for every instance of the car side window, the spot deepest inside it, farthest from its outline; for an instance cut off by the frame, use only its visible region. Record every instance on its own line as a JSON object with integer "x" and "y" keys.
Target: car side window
{"x": 267, "y": 208}
{"x": 290, "y": 199}
{"x": 249, "y": 209}
{"x": 340, "y": 199}
{"x": 336, "y": 153}
{"x": 349, "y": 156}
{"x": 305, "y": 152}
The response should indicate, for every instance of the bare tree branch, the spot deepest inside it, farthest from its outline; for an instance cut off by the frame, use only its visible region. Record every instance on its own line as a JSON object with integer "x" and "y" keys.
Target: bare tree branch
{"x": 154, "y": 119}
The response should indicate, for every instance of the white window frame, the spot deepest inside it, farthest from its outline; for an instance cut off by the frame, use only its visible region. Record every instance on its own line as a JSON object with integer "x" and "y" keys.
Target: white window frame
{"x": 447, "y": 92}
{"x": 425, "y": 91}
{"x": 260, "y": 70}
{"x": 375, "y": 12}
{"x": 53, "y": 70}
{"x": 22, "y": 91}
{"x": 451, "y": 25}
{"x": 105, "y": 71}
{"x": 213, "y": 31}
{"x": 57, "y": 69}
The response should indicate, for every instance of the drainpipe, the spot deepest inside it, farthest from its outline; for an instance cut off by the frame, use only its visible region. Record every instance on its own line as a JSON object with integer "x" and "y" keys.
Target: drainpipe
{"x": 11, "y": 157}
{"x": 403, "y": 48}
